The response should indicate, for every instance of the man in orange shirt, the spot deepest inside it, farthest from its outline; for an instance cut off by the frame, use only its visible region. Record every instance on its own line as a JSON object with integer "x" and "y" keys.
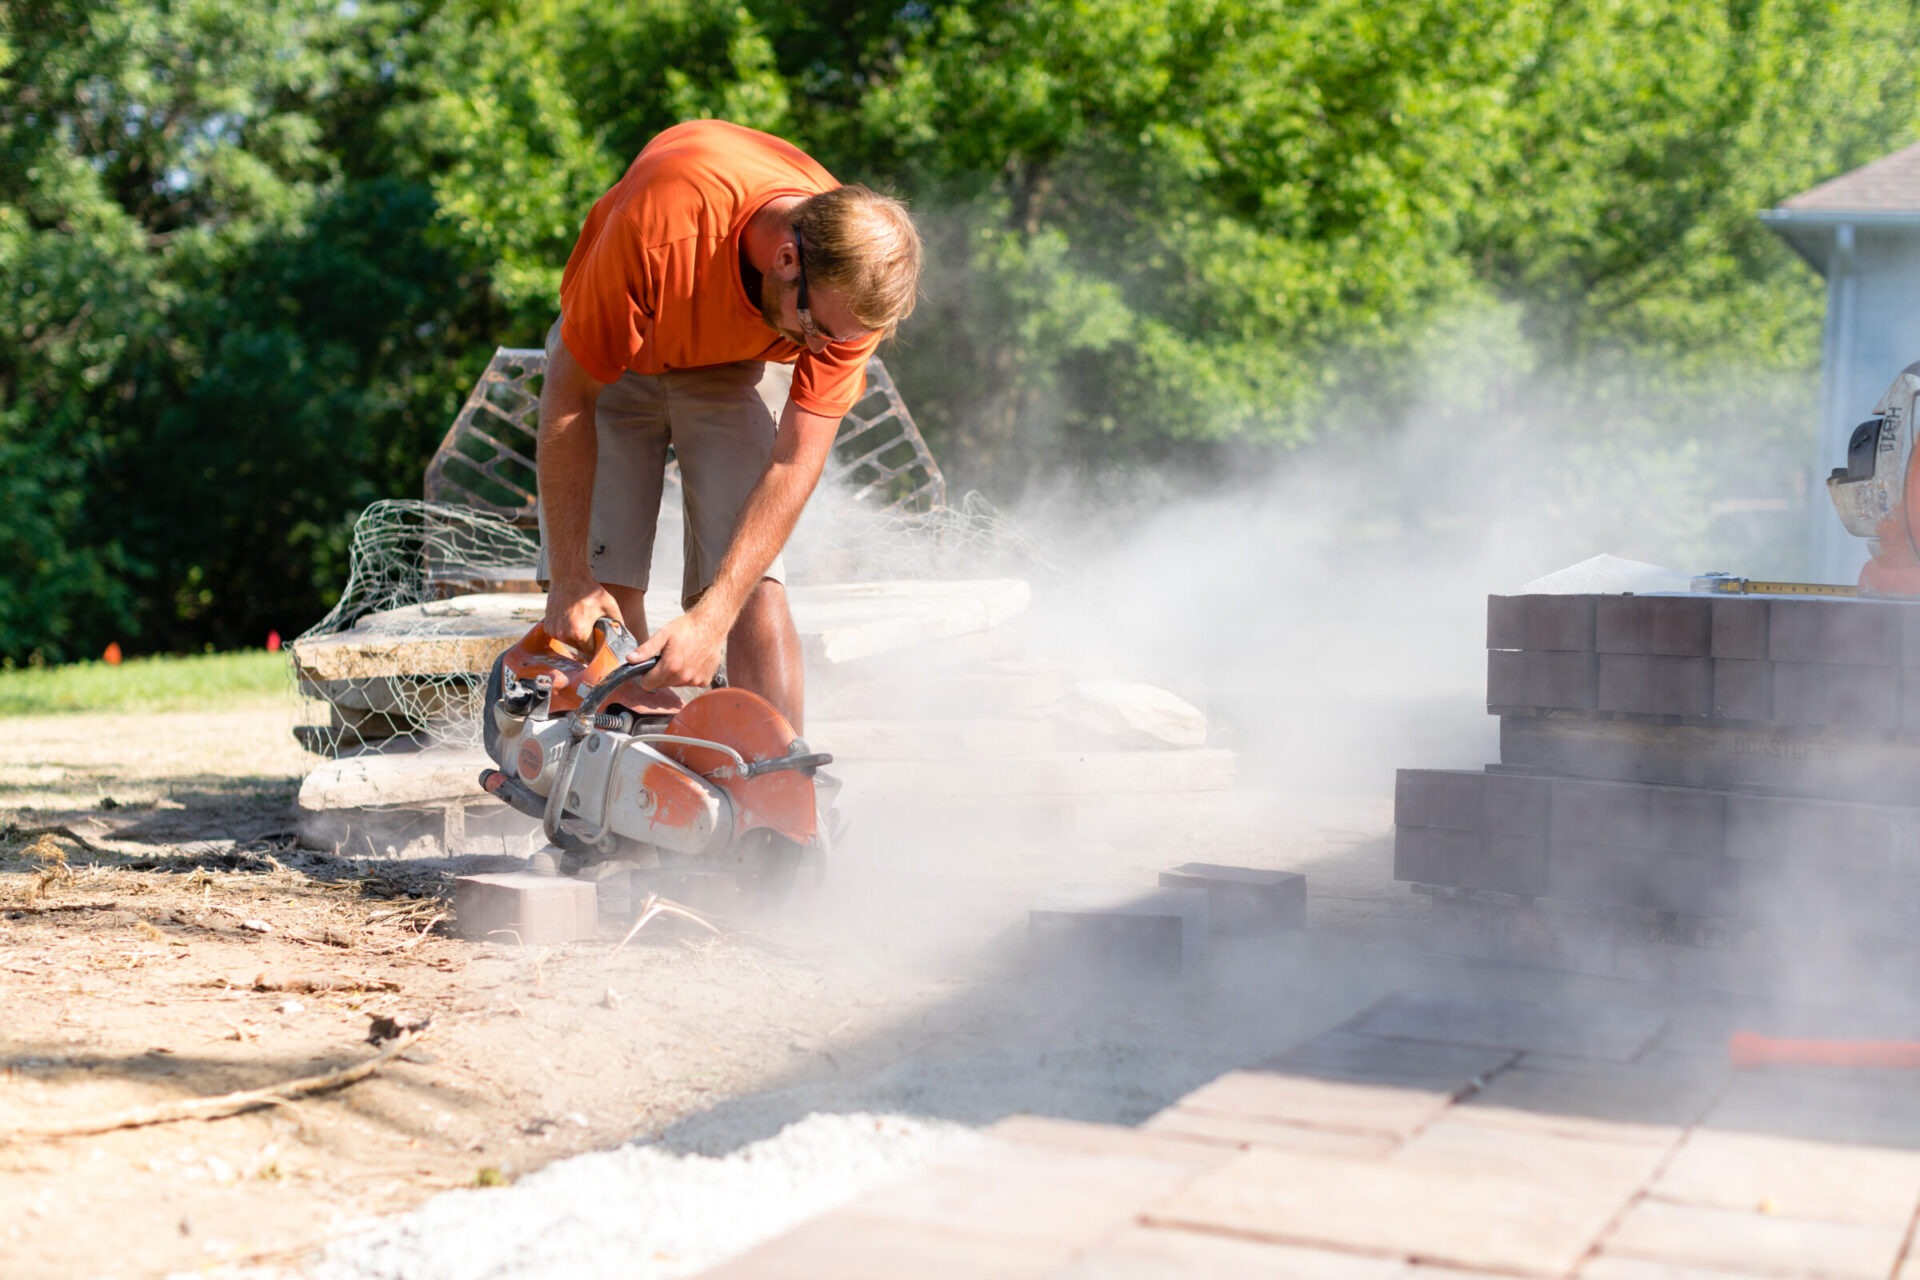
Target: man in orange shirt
{"x": 723, "y": 298}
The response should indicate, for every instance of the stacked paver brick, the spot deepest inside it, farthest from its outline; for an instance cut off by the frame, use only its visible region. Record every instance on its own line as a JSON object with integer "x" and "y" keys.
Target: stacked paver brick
{"x": 1743, "y": 761}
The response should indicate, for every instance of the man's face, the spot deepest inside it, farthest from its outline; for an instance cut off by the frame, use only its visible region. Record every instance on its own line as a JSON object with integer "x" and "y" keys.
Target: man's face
{"x": 780, "y": 307}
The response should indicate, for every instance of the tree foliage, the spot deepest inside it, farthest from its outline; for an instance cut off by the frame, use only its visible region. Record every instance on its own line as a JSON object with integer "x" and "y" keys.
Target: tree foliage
{"x": 252, "y": 254}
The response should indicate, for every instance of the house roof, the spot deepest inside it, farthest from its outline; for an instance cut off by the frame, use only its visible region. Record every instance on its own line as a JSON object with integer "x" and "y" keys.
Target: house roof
{"x": 1885, "y": 193}
{"x": 1890, "y": 184}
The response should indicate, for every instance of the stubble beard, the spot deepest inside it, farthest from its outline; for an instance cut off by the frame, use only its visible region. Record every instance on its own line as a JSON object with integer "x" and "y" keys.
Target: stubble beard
{"x": 773, "y": 293}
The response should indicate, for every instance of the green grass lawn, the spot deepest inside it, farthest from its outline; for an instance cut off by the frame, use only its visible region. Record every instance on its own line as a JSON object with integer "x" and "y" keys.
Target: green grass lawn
{"x": 202, "y": 682}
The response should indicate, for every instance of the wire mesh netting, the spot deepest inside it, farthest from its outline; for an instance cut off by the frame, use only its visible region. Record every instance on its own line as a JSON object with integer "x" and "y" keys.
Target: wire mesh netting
{"x": 437, "y": 588}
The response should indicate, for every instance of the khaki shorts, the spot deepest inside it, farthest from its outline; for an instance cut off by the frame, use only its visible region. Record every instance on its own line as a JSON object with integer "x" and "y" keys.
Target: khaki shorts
{"x": 719, "y": 422}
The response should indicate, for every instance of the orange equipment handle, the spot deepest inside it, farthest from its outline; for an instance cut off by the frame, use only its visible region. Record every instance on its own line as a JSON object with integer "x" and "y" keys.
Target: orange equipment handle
{"x": 1747, "y": 1049}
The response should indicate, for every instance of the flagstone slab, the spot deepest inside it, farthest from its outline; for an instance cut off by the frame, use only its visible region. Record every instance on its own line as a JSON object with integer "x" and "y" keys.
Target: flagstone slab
{"x": 1766, "y": 1244}
{"x": 1323, "y": 1104}
{"x": 1821, "y": 1181}
{"x": 1451, "y": 1216}
{"x": 1412, "y": 1064}
{"x": 1576, "y": 1029}
{"x": 1161, "y": 1253}
{"x": 1554, "y": 1160}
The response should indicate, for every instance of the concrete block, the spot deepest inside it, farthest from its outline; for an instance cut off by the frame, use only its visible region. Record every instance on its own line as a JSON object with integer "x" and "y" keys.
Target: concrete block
{"x": 1244, "y": 900}
{"x": 1445, "y": 798}
{"x": 1652, "y": 881}
{"x": 1742, "y": 689}
{"x": 1739, "y": 628}
{"x": 1651, "y": 685}
{"x": 1157, "y": 931}
{"x": 1850, "y": 632}
{"x": 1678, "y": 819}
{"x": 1869, "y": 837}
{"x": 1612, "y": 1033}
{"x": 1540, "y": 622}
{"x": 1538, "y": 678}
{"x": 1674, "y": 626}
{"x": 529, "y": 909}
{"x": 1471, "y": 860}
{"x": 1464, "y": 800}
{"x": 1855, "y": 697}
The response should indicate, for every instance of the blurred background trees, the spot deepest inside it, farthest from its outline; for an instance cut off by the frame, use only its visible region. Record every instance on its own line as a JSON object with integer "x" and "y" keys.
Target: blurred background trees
{"x": 253, "y": 254}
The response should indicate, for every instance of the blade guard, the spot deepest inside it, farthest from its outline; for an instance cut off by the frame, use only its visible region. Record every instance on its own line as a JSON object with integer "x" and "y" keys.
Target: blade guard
{"x": 781, "y": 802}
{"x": 537, "y": 654}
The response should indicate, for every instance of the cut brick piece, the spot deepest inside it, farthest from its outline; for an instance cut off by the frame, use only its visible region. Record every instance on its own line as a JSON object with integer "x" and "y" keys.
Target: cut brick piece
{"x": 1244, "y": 900}
{"x": 1540, "y": 622}
{"x": 518, "y": 906}
{"x": 1730, "y": 1240}
{"x": 1739, "y": 628}
{"x": 1651, "y": 881}
{"x": 1677, "y": 819}
{"x": 1836, "y": 630}
{"x": 1470, "y": 860}
{"x": 1855, "y": 697}
{"x": 1648, "y": 685}
{"x": 1612, "y": 1033}
{"x": 1451, "y": 1216}
{"x": 1557, "y": 681}
{"x": 1742, "y": 689}
{"x": 1676, "y": 626}
{"x": 1161, "y": 931}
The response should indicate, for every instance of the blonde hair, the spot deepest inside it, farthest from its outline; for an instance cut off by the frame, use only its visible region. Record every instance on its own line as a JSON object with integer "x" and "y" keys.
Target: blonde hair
{"x": 864, "y": 245}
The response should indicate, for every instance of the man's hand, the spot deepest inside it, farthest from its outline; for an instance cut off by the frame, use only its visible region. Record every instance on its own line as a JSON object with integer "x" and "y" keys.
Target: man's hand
{"x": 573, "y": 608}
{"x": 690, "y": 649}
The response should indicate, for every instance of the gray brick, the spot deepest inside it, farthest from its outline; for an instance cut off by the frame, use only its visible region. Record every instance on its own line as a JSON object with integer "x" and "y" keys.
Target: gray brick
{"x": 1739, "y": 628}
{"x": 1910, "y": 636}
{"x": 1742, "y": 689}
{"x": 1794, "y": 1177}
{"x": 1869, "y": 837}
{"x": 1632, "y": 815}
{"x": 1649, "y": 881}
{"x": 1649, "y": 685}
{"x": 1406, "y": 1064}
{"x": 1835, "y": 630}
{"x": 1541, "y": 622}
{"x": 1676, "y": 626}
{"x": 1514, "y": 804}
{"x": 1244, "y": 900}
{"x": 1471, "y": 860}
{"x": 1856, "y": 697}
{"x": 1446, "y": 798}
{"x": 1538, "y": 678}
{"x": 1161, "y": 931}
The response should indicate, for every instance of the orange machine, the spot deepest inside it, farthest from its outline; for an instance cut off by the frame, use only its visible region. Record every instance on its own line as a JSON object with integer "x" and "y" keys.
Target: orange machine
{"x": 1877, "y": 491}
{"x": 719, "y": 784}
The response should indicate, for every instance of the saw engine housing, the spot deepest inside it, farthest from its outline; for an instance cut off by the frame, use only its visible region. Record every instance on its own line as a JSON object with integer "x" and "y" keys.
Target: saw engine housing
{"x": 720, "y": 782}
{"x": 1875, "y": 492}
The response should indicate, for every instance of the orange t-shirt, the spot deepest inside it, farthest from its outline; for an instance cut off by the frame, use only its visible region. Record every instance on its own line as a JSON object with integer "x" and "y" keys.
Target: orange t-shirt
{"x": 653, "y": 283}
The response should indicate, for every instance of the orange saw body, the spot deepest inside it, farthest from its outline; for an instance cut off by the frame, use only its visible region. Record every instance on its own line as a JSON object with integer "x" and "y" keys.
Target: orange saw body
{"x": 716, "y": 783}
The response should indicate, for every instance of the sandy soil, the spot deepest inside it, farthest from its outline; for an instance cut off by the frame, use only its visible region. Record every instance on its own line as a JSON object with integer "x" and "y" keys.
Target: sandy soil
{"x": 195, "y": 950}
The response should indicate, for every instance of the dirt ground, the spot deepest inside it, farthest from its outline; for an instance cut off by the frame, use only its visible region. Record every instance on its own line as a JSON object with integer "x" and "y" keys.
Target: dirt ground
{"x": 174, "y": 942}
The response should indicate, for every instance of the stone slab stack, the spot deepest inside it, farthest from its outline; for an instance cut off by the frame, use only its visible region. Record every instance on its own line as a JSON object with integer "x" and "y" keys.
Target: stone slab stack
{"x": 1694, "y": 786}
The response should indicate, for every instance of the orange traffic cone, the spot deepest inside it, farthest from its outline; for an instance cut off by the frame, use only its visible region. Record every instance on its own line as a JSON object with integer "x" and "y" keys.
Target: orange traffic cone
{"x": 112, "y": 656}
{"x": 273, "y": 642}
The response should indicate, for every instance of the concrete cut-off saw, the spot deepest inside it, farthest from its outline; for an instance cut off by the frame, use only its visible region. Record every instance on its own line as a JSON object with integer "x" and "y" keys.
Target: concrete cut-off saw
{"x": 717, "y": 785}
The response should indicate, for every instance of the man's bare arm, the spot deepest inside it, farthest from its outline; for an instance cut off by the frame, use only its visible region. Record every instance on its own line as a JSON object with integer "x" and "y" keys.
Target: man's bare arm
{"x": 567, "y": 457}
{"x": 692, "y": 645}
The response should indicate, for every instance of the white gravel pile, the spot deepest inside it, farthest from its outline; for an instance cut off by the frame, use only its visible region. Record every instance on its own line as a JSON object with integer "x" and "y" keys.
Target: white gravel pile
{"x": 644, "y": 1213}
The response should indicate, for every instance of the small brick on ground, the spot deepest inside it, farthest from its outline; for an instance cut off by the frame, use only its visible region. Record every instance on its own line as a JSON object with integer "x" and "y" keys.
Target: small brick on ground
{"x": 518, "y": 906}
{"x": 1244, "y": 900}
{"x": 1080, "y": 929}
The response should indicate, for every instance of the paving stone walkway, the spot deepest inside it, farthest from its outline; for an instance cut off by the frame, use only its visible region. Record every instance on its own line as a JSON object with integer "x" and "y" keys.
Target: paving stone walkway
{"x": 1428, "y": 1137}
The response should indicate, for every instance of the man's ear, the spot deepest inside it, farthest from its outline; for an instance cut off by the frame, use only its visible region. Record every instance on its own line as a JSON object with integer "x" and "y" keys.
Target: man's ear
{"x": 786, "y": 260}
